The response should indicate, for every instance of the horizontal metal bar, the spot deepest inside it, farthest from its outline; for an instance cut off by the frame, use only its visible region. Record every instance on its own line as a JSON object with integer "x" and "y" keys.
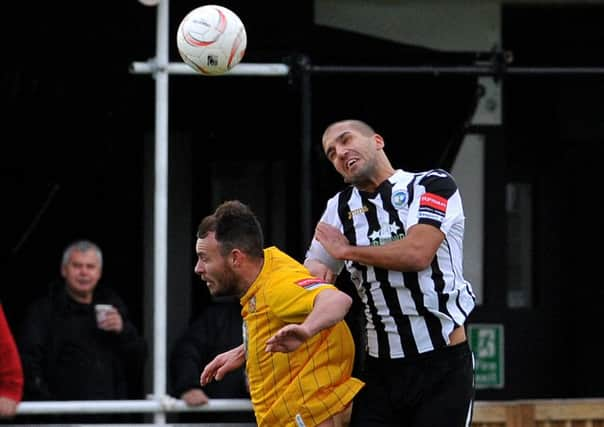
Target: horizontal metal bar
{"x": 277, "y": 69}
{"x": 166, "y": 404}
{"x": 558, "y": 71}
{"x": 242, "y": 69}
{"x": 427, "y": 69}
{"x": 477, "y": 70}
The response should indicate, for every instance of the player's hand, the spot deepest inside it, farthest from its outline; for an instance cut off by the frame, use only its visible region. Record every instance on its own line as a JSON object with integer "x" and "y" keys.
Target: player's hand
{"x": 222, "y": 365}
{"x": 194, "y": 397}
{"x": 287, "y": 339}
{"x": 332, "y": 239}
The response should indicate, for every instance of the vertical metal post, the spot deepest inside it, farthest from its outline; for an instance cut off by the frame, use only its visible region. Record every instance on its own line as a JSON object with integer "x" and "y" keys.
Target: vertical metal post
{"x": 160, "y": 252}
{"x": 306, "y": 187}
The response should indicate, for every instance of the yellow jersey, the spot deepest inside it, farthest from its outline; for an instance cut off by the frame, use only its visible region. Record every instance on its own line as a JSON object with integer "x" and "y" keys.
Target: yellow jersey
{"x": 307, "y": 386}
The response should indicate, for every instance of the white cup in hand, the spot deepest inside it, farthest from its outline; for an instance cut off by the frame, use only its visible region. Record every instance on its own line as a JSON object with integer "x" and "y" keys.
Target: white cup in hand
{"x": 101, "y": 311}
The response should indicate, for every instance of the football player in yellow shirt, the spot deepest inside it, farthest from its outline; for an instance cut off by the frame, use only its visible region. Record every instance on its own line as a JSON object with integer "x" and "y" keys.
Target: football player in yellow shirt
{"x": 297, "y": 348}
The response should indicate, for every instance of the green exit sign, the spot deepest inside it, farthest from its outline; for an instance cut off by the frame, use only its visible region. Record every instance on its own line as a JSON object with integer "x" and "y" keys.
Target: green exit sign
{"x": 486, "y": 342}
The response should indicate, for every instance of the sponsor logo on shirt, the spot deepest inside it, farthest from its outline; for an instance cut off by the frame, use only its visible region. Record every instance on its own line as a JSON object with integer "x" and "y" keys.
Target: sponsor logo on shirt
{"x": 357, "y": 211}
{"x": 434, "y": 201}
{"x": 432, "y": 207}
{"x": 386, "y": 233}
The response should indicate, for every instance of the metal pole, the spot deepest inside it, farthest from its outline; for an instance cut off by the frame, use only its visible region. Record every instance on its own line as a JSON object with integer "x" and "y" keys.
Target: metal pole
{"x": 306, "y": 148}
{"x": 160, "y": 252}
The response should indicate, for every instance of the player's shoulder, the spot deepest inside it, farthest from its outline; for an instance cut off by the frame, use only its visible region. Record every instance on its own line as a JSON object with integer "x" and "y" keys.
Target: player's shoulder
{"x": 436, "y": 173}
{"x": 343, "y": 194}
{"x": 436, "y": 177}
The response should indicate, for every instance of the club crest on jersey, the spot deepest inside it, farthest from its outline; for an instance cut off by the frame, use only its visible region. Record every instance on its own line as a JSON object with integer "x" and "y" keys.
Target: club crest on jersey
{"x": 399, "y": 198}
{"x": 310, "y": 283}
{"x": 357, "y": 211}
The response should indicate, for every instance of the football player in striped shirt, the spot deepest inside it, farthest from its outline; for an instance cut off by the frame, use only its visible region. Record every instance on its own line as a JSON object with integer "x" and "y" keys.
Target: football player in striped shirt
{"x": 297, "y": 349}
{"x": 400, "y": 236}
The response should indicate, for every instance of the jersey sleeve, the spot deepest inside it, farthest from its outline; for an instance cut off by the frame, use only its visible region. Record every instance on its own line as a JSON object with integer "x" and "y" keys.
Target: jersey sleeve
{"x": 292, "y": 301}
{"x": 440, "y": 204}
{"x": 316, "y": 251}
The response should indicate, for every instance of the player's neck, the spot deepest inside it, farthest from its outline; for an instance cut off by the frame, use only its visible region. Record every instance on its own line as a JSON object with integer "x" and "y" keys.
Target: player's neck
{"x": 380, "y": 175}
{"x": 250, "y": 273}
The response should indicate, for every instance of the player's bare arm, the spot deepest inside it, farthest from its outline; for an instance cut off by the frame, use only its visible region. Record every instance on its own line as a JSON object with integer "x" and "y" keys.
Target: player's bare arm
{"x": 222, "y": 365}
{"x": 413, "y": 253}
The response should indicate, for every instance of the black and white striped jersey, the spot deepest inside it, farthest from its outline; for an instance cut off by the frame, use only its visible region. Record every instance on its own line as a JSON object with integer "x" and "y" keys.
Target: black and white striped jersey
{"x": 407, "y": 313}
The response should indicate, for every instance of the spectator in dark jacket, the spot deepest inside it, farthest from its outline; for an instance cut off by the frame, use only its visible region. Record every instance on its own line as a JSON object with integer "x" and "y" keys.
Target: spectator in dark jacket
{"x": 218, "y": 328}
{"x": 66, "y": 353}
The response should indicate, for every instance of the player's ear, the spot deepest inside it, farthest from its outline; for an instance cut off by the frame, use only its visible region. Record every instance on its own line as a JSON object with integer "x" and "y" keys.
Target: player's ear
{"x": 236, "y": 258}
{"x": 379, "y": 141}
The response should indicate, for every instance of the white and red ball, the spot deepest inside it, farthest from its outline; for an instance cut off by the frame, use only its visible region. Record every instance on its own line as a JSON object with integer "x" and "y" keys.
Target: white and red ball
{"x": 211, "y": 39}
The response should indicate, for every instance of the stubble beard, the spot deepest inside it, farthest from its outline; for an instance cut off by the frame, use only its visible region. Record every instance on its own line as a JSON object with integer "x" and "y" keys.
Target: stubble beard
{"x": 363, "y": 175}
{"x": 229, "y": 284}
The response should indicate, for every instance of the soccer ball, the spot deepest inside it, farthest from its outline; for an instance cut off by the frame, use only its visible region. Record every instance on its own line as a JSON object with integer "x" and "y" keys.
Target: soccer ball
{"x": 211, "y": 39}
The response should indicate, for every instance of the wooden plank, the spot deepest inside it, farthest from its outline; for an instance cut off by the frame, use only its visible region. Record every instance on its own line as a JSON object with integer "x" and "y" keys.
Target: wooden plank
{"x": 561, "y": 410}
{"x": 489, "y": 412}
{"x": 520, "y": 415}
{"x": 539, "y": 413}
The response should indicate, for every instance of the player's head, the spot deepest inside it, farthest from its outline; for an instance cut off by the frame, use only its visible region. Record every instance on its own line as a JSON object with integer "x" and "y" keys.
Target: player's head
{"x": 358, "y": 125}
{"x": 81, "y": 267}
{"x": 356, "y": 152}
{"x": 227, "y": 242}
{"x": 235, "y": 226}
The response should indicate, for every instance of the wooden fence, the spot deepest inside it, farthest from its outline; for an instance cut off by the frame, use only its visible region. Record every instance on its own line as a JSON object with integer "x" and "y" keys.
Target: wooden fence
{"x": 540, "y": 413}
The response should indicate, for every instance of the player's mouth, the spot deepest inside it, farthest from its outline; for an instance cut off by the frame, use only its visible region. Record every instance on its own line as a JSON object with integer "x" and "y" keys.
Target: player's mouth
{"x": 350, "y": 163}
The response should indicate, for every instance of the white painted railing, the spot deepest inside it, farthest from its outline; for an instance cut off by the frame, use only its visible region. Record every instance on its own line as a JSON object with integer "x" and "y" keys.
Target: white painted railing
{"x": 162, "y": 405}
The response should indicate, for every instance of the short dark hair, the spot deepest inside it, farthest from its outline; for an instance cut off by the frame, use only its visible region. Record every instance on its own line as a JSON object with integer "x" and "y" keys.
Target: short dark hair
{"x": 235, "y": 226}
{"x": 359, "y": 125}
